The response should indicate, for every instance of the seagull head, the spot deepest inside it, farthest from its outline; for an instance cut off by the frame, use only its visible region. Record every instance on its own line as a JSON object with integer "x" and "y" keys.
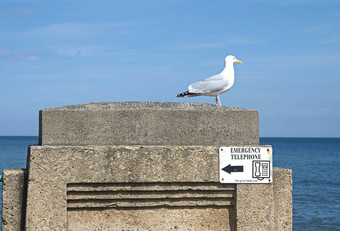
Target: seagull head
{"x": 232, "y": 59}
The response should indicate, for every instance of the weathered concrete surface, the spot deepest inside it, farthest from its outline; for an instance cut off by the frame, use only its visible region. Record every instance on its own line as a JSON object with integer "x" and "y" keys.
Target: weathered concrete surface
{"x": 148, "y": 123}
{"x": 283, "y": 187}
{"x": 13, "y": 199}
{"x": 150, "y": 206}
{"x": 53, "y": 168}
{"x": 149, "y": 195}
{"x": 72, "y": 187}
{"x": 266, "y": 206}
{"x": 138, "y": 166}
{"x": 255, "y": 207}
{"x": 152, "y": 219}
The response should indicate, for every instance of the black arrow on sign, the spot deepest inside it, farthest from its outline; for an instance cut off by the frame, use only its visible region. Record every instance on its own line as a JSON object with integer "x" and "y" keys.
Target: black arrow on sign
{"x": 229, "y": 169}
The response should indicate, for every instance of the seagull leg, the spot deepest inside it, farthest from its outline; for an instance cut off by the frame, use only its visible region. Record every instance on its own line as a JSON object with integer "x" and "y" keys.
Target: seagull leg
{"x": 218, "y": 100}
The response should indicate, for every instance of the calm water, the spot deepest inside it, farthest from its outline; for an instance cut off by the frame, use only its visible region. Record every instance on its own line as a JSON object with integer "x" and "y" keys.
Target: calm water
{"x": 316, "y": 175}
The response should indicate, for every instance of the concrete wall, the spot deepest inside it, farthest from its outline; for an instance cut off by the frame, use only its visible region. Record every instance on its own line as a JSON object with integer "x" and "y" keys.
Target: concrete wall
{"x": 147, "y": 123}
{"x": 145, "y": 166}
{"x": 13, "y": 199}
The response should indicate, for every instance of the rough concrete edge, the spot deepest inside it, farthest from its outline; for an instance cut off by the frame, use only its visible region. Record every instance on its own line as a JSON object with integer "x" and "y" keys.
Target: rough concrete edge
{"x": 15, "y": 185}
{"x": 134, "y": 146}
{"x": 283, "y": 199}
{"x": 182, "y": 106}
{"x": 40, "y": 127}
{"x": 53, "y": 123}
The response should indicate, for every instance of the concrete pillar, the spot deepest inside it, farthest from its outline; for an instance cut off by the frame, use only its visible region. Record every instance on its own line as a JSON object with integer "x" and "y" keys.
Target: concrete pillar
{"x": 13, "y": 199}
{"x": 147, "y": 166}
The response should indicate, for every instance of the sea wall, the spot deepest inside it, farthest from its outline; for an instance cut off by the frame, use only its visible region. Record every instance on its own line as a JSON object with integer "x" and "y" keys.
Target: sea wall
{"x": 141, "y": 166}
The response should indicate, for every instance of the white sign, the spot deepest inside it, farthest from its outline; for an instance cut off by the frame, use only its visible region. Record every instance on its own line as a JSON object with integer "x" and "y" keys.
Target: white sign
{"x": 246, "y": 165}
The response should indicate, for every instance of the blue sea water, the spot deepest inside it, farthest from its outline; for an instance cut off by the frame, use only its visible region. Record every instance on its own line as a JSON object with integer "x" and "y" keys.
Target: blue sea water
{"x": 316, "y": 175}
{"x": 316, "y": 179}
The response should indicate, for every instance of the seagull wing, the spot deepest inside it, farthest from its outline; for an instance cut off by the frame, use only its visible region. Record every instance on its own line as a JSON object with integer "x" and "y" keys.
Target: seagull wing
{"x": 209, "y": 86}
{"x": 214, "y": 77}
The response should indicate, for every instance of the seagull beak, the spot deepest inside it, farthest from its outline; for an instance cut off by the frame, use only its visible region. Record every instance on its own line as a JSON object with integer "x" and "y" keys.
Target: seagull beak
{"x": 238, "y": 61}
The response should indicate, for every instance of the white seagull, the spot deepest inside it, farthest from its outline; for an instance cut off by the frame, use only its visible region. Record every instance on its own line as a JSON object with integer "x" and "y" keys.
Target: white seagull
{"x": 216, "y": 84}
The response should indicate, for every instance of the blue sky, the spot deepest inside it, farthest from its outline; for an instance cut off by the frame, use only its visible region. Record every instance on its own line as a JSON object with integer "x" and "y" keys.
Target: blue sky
{"x": 58, "y": 53}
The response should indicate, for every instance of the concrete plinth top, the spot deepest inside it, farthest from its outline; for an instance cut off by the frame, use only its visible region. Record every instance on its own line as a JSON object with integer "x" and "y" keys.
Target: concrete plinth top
{"x": 143, "y": 105}
{"x": 148, "y": 123}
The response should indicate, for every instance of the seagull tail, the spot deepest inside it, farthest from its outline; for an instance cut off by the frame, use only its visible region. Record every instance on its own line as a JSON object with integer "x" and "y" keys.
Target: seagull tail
{"x": 188, "y": 94}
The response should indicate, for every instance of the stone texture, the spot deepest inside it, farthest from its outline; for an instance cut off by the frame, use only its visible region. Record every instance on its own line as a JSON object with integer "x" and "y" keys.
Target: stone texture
{"x": 148, "y": 123}
{"x": 142, "y": 166}
{"x": 149, "y": 195}
{"x": 152, "y": 219}
{"x": 151, "y": 206}
{"x": 283, "y": 187}
{"x": 255, "y": 207}
{"x": 266, "y": 207}
{"x": 53, "y": 168}
{"x": 13, "y": 199}
{"x": 130, "y": 187}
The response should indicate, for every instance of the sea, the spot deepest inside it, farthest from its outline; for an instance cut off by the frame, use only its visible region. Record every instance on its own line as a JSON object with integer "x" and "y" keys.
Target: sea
{"x": 316, "y": 175}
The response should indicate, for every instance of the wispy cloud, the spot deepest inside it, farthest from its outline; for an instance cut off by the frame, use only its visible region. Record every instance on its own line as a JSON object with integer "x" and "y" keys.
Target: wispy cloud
{"x": 330, "y": 41}
{"x": 64, "y": 40}
{"x": 318, "y": 28}
{"x": 334, "y": 13}
{"x": 284, "y": 62}
{"x": 220, "y": 44}
{"x": 17, "y": 55}
{"x": 325, "y": 33}
{"x": 73, "y": 50}
{"x": 290, "y": 2}
{"x": 19, "y": 11}
{"x": 76, "y": 30}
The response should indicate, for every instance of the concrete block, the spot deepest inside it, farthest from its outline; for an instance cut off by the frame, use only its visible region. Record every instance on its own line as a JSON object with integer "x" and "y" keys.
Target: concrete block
{"x": 127, "y": 187}
{"x": 283, "y": 187}
{"x": 151, "y": 206}
{"x": 148, "y": 123}
{"x": 266, "y": 207}
{"x": 179, "y": 181}
{"x": 13, "y": 199}
{"x": 147, "y": 188}
{"x": 255, "y": 207}
{"x": 141, "y": 166}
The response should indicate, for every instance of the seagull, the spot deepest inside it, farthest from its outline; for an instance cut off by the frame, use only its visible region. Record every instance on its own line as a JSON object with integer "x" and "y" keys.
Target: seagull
{"x": 216, "y": 84}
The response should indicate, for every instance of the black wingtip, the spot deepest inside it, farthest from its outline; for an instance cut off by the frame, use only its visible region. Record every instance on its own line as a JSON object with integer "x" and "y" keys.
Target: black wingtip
{"x": 183, "y": 94}
{"x": 187, "y": 94}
